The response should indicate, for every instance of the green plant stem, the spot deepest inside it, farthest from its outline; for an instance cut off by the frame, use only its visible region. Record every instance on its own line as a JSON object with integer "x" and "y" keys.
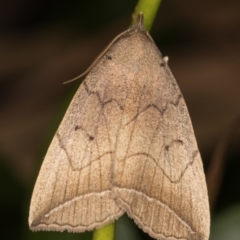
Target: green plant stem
{"x": 149, "y": 9}
{"x": 105, "y": 233}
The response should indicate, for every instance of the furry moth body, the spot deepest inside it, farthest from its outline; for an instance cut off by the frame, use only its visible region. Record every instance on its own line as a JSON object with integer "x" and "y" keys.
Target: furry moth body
{"x": 125, "y": 144}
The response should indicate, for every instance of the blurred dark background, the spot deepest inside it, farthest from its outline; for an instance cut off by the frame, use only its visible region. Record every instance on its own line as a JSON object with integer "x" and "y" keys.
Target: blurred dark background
{"x": 44, "y": 43}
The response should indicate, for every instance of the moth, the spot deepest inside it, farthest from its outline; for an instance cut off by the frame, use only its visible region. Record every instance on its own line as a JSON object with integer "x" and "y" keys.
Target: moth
{"x": 125, "y": 145}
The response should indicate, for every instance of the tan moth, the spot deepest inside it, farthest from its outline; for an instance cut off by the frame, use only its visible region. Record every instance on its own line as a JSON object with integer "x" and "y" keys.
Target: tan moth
{"x": 125, "y": 144}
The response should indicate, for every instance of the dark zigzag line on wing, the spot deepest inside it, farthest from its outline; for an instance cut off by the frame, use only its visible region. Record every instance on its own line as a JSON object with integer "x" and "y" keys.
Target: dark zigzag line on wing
{"x": 99, "y": 99}
{"x": 145, "y": 154}
{"x": 165, "y": 174}
{"x": 161, "y": 111}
